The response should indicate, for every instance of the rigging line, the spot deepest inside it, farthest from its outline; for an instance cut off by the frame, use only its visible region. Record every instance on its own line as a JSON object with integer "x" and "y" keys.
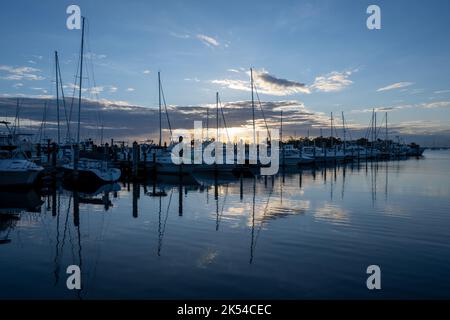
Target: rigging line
{"x": 346, "y": 130}
{"x": 55, "y": 261}
{"x": 223, "y": 206}
{"x": 369, "y": 129}
{"x": 167, "y": 214}
{"x": 224, "y": 121}
{"x": 74, "y": 88}
{"x": 44, "y": 119}
{"x": 381, "y": 127}
{"x": 262, "y": 111}
{"x": 167, "y": 113}
{"x": 262, "y": 221}
{"x": 95, "y": 91}
{"x": 63, "y": 100}
{"x": 17, "y": 119}
{"x": 65, "y": 227}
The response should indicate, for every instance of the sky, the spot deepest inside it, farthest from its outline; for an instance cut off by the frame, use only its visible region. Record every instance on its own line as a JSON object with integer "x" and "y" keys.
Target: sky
{"x": 309, "y": 58}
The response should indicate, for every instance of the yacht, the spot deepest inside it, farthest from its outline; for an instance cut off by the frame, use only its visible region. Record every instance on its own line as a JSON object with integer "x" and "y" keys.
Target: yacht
{"x": 92, "y": 171}
{"x": 291, "y": 156}
{"x": 18, "y": 172}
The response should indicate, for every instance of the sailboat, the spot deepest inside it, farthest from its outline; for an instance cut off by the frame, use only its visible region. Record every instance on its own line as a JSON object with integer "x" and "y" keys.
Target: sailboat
{"x": 85, "y": 171}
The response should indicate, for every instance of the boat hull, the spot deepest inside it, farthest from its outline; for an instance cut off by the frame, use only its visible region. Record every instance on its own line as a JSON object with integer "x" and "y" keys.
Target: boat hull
{"x": 18, "y": 178}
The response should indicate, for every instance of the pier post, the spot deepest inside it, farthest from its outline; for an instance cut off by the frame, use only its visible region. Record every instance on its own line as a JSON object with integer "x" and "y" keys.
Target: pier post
{"x": 136, "y": 189}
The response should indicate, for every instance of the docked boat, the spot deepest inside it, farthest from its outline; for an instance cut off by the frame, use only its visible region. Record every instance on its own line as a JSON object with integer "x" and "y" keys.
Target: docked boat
{"x": 291, "y": 156}
{"x": 18, "y": 172}
{"x": 92, "y": 171}
{"x": 318, "y": 154}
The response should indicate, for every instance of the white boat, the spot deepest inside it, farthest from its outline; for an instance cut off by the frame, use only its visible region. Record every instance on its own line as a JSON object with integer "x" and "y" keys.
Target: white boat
{"x": 18, "y": 172}
{"x": 93, "y": 171}
{"x": 318, "y": 154}
{"x": 291, "y": 156}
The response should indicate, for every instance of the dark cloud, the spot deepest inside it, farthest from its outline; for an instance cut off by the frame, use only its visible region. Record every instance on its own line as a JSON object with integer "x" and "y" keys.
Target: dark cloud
{"x": 122, "y": 121}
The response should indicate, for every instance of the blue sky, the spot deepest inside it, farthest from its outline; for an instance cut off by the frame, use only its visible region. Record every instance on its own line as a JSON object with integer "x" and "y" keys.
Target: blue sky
{"x": 332, "y": 61}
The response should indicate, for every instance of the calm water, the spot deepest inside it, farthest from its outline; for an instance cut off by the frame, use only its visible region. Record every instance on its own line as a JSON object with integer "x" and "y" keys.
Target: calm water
{"x": 302, "y": 235}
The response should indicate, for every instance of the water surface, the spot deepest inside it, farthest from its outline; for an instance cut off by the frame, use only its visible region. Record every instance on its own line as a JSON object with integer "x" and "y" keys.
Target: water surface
{"x": 302, "y": 234}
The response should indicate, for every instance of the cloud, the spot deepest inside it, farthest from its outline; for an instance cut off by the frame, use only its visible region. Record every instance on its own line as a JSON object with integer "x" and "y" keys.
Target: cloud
{"x": 442, "y": 91}
{"x": 113, "y": 89}
{"x": 425, "y": 105}
{"x": 332, "y": 82}
{"x": 397, "y": 85}
{"x": 18, "y": 85}
{"x": 180, "y": 35}
{"x": 207, "y": 40}
{"x": 146, "y": 72}
{"x": 130, "y": 89}
{"x": 270, "y": 84}
{"x": 437, "y": 104}
{"x": 96, "y": 90}
{"x": 128, "y": 122}
{"x": 19, "y": 73}
{"x": 39, "y": 89}
{"x": 94, "y": 56}
{"x": 267, "y": 83}
{"x": 192, "y": 79}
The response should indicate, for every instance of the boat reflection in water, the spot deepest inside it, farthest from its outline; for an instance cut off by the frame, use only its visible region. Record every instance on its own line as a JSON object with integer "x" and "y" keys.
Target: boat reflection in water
{"x": 293, "y": 235}
{"x": 12, "y": 204}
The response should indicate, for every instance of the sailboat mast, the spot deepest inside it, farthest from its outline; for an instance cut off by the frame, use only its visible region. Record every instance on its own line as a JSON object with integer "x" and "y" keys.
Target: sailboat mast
{"x": 159, "y": 97}
{"x": 386, "y": 132}
{"x": 81, "y": 81}
{"x": 253, "y": 107}
{"x": 57, "y": 95}
{"x": 217, "y": 116}
{"x": 343, "y": 127}
{"x": 281, "y": 138}
{"x": 331, "y": 130}
{"x": 207, "y": 124}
